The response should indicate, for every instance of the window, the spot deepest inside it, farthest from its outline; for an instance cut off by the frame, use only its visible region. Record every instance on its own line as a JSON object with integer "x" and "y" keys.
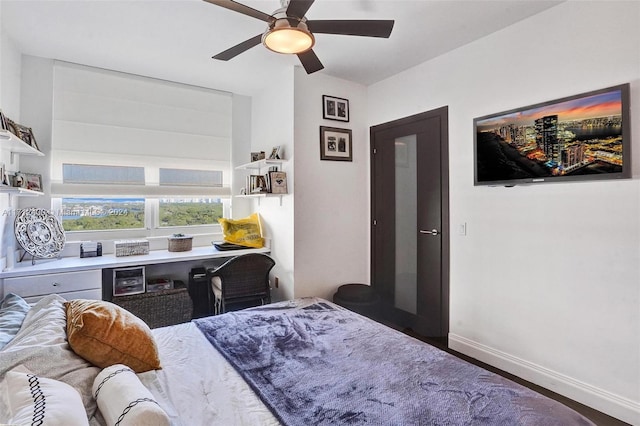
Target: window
{"x": 189, "y": 211}
{"x": 91, "y": 214}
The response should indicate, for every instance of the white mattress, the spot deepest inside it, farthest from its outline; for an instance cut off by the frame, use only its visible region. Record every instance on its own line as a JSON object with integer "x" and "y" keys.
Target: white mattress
{"x": 197, "y": 386}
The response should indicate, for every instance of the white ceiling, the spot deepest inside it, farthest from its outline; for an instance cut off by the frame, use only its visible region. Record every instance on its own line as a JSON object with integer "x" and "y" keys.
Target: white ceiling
{"x": 175, "y": 39}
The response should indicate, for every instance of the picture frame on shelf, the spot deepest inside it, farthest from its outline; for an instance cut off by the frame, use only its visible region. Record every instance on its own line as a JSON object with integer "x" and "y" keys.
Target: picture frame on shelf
{"x": 27, "y": 136}
{"x": 33, "y": 181}
{"x": 3, "y": 121}
{"x": 334, "y": 108}
{"x": 12, "y": 126}
{"x": 276, "y": 153}
{"x": 257, "y": 156}
{"x": 335, "y": 144}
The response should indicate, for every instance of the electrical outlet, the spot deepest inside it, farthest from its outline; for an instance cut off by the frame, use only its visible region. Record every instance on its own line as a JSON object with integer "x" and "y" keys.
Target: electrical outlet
{"x": 275, "y": 282}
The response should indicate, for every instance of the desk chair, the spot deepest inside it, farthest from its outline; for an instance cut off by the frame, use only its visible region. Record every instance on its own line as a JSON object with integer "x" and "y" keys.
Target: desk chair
{"x": 241, "y": 280}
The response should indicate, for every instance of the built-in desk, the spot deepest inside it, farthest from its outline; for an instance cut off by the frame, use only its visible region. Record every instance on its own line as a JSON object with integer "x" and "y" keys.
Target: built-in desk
{"x": 74, "y": 277}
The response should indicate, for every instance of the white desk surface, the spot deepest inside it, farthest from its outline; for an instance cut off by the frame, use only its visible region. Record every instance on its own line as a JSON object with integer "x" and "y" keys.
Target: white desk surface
{"x": 71, "y": 264}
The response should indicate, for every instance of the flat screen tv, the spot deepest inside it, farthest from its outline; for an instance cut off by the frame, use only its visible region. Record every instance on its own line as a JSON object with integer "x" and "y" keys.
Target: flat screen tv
{"x": 581, "y": 137}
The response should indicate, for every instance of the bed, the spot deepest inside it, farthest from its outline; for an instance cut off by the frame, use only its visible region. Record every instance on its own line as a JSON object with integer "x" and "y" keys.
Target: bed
{"x": 300, "y": 362}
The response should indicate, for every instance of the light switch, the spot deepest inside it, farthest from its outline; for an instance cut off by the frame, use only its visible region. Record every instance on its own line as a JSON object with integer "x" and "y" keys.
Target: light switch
{"x": 462, "y": 229}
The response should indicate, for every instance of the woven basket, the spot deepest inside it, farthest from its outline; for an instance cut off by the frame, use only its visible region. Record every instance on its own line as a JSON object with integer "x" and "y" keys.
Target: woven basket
{"x": 180, "y": 243}
{"x": 160, "y": 308}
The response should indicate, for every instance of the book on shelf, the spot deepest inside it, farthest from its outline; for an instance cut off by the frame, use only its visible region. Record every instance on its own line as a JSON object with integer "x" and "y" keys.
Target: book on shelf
{"x": 256, "y": 184}
{"x": 278, "y": 182}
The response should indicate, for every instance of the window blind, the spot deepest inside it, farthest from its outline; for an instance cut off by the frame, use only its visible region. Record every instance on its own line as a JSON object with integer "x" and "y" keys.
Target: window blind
{"x": 111, "y": 119}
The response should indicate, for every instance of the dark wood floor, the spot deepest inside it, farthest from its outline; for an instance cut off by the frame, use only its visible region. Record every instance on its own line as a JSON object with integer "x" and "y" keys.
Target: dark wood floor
{"x": 595, "y": 416}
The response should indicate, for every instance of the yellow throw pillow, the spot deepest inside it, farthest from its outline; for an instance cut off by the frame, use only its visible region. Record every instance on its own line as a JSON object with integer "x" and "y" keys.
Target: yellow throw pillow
{"x": 244, "y": 232}
{"x": 106, "y": 334}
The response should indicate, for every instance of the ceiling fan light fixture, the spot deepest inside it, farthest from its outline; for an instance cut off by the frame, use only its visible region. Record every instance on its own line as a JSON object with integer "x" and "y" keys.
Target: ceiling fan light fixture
{"x": 283, "y": 38}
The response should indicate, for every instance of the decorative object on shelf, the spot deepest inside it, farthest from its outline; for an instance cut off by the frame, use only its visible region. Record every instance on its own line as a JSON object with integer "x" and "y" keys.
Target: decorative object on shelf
{"x": 90, "y": 249}
{"x": 180, "y": 242}
{"x": 3, "y": 176}
{"x": 335, "y": 144}
{"x": 131, "y": 247}
{"x": 278, "y": 182}
{"x": 257, "y": 156}
{"x": 18, "y": 180}
{"x": 276, "y": 153}
{"x": 335, "y": 108}
{"x": 39, "y": 233}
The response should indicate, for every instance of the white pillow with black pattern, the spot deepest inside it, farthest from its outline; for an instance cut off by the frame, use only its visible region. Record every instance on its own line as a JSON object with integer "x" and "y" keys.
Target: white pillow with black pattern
{"x": 38, "y": 400}
{"x": 123, "y": 399}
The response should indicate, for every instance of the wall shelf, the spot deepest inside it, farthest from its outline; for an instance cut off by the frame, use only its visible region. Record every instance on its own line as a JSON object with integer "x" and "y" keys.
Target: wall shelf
{"x": 260, "y": 164}
{"x": 261, "y": 196}
{"x": 19, "y": 192}
{"x": 16, "y": 145}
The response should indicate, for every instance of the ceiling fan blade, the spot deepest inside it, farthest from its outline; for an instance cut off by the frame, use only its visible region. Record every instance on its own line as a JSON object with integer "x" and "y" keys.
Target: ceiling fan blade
{"x": 241, "y": 8}
{"x": 299, "y": 8}
{"x": 310, "y": 61}
{"x": 365, "y": 28}
{"x": 239, "y": 48}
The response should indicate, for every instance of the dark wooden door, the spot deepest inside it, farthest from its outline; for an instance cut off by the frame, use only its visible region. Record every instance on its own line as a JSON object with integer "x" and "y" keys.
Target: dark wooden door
{"x": 410, "y": 221}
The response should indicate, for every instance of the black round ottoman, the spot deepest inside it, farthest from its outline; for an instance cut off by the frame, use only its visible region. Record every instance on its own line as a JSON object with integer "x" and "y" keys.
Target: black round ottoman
{"x": 359, "y": 298}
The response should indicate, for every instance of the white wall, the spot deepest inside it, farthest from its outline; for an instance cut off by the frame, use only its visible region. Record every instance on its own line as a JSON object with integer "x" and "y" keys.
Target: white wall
{"x": 272, "y": 120}
{"x": 331, "y": 229}
{"x": 36, "y": 111}
{"x": 240, "y": 146}
{"x": 10, "y": 68}
{"x": 546, "y": 282}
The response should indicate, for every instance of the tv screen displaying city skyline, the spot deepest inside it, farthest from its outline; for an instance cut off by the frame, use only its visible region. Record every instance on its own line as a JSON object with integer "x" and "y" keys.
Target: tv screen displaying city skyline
{"x": 578, "y": 137}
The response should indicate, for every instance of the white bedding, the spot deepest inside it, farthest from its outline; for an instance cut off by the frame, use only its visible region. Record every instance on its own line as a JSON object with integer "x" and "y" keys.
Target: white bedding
{"x": 220, "y": 397}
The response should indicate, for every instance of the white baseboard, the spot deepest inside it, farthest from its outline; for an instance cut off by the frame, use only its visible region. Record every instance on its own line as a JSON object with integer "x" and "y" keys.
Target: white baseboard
{"x": 599, "y": 399}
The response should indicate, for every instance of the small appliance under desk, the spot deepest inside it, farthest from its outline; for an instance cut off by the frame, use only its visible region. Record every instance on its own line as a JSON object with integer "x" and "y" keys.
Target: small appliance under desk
{"x": 82, "y": 278}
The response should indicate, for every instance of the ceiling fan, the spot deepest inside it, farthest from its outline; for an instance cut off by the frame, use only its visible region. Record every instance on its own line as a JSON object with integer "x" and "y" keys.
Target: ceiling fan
{"x": 290, "y": 32}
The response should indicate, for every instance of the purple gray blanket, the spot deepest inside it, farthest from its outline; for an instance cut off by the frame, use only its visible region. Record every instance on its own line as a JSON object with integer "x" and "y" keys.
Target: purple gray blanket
{"x": 321, "y": 365}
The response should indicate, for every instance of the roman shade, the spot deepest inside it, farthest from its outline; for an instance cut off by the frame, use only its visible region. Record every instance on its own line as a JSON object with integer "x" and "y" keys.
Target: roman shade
{"x": 107, "y": 118}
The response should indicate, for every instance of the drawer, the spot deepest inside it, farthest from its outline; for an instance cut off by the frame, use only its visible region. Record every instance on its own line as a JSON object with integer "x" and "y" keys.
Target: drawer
{"x": 94, "y": 294}
{"x": 39, "y": 285}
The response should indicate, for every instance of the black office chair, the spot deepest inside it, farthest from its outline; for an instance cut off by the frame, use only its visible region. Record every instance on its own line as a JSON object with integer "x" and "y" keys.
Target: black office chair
{"x": 242, "y": 281}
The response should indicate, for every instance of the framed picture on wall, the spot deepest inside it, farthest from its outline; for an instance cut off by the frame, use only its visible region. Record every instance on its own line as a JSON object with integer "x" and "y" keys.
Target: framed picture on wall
{"x": 335, "y": 108}
{"x": 335, "y": 144}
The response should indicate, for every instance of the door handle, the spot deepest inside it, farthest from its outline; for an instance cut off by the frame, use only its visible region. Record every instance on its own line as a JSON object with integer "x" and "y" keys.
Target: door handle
{"x": 432, "y": 232}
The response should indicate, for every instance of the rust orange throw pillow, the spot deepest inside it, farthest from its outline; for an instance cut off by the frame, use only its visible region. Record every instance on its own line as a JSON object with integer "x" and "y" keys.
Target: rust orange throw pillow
{"x": 106, "y": 334}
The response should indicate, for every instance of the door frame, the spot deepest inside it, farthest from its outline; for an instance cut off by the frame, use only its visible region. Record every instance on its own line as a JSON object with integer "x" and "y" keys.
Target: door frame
{"x": 443, "y": 114}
